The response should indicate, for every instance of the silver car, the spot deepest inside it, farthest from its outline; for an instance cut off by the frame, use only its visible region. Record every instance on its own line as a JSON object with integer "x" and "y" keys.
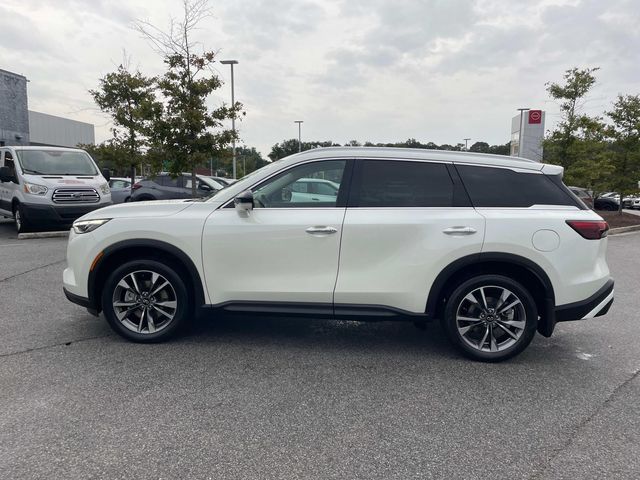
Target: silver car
{"x": 120, "y": 190}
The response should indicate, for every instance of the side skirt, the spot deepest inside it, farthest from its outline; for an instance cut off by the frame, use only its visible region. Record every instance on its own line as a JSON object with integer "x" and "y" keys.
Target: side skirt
{"x": 367, "y": 313}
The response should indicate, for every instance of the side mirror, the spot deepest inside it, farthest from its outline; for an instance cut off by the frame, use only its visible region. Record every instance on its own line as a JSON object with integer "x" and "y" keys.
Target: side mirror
{"x": 244, "y": 202}
{"x": 106, "y": 173}
{"x": 6, "y": 175}
{"x": 205, "y": 188}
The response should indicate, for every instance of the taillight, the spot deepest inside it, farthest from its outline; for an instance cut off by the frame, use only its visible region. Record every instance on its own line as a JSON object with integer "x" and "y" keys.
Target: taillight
{"x": 590, "y": 229}
{"x": 136, "y": 186}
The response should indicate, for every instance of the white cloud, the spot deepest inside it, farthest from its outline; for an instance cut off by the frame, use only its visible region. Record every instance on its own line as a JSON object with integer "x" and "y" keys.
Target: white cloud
{"x": 436, "y": 70}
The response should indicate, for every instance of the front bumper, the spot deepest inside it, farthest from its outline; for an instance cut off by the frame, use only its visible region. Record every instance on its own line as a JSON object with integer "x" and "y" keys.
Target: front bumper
{"x": 40, "y": 215}
{"x": 595, "y": 306}
{"x": 82, "y": 301}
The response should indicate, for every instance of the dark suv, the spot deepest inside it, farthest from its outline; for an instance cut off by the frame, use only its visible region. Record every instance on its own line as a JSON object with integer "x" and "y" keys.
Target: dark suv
{"x": 166, "y": 187}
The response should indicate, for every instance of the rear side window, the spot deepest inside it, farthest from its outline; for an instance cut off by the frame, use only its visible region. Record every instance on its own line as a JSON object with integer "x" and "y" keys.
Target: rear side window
{"x": 167, "y": 181}
{"x": 501, "y": 187}
{"x": 395, "y": 183}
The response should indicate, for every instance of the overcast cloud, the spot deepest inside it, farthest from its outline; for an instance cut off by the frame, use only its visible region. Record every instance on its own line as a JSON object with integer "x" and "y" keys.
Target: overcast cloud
{"x": 379, "y": 70}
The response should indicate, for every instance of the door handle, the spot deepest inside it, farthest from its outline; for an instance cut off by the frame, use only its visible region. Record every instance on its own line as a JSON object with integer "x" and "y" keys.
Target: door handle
{"x": 321, "y": 230}
{"x": 459, "y": 231}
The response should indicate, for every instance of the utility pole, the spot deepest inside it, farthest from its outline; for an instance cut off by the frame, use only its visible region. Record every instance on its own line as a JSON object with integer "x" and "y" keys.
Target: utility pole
{"x": 299, "y": 122}
{"x": 233, "y": 117}
{"x": 466, "y": 145}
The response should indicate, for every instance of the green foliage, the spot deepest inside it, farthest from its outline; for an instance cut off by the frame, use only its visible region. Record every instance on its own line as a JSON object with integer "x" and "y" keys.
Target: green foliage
{"x": 289, "y": 147}
{"x": 625, "y": 134}
{"x": 129, "y": 98}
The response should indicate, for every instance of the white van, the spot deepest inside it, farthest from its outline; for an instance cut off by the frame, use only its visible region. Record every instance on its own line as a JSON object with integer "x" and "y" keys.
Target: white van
{"x": 45, "y": 187}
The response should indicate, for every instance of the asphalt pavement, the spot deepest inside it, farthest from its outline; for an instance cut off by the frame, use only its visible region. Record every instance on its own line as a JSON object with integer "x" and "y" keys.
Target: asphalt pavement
{"x": 282, "y": 398}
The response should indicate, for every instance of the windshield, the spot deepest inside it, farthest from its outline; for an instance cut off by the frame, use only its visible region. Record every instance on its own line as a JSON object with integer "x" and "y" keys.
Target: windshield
{"x": 56, "y": 162}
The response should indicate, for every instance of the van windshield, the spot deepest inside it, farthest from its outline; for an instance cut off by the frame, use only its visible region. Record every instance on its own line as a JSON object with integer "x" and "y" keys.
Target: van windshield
{"x": 56, "y": 162}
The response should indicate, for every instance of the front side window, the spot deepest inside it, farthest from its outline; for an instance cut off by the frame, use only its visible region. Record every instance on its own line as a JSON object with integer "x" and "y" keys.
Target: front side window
{"x": 291, "y": 188}
{"x": 56, "y": 162}
{"x": 395, "y": 183}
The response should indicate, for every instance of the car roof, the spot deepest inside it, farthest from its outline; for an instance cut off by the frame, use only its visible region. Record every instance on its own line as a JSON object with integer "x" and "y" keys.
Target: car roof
{"x": 394, "y": 153}
{"x": 43, "y": 147}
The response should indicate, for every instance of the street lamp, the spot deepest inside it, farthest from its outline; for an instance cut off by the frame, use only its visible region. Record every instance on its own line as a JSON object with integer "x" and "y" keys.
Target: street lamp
{"x": 466, "y": 149}
{"x": 521, "y": 135}
{"x": 299, "y": 122}
{"x": 233, "y": 116}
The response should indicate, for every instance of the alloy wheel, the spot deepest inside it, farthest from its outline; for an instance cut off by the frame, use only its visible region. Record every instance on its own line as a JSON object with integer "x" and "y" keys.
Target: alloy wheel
{"x": 491, "y": 319}
{"x": 144, "y": 302}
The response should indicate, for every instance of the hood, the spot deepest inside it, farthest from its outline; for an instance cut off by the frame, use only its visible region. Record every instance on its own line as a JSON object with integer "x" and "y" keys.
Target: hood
{"x": 155, "y": 208}
{"x": 62, "y": 181}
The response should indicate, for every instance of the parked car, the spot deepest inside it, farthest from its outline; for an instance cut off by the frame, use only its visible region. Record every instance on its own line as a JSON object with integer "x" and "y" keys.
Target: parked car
{"x": 224, "y": 181}
{"x": 120, "y": 189}
{"x": 583, "y": 194}
{"x": 167, "y": 187}
{"x": 475, "y": 240}
{"x": 606, "y": 203}
{"x": 49, "y": 187}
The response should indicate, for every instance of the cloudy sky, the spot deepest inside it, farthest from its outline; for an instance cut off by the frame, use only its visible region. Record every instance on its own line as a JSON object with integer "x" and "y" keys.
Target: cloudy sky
{"x": 379, "y": 70}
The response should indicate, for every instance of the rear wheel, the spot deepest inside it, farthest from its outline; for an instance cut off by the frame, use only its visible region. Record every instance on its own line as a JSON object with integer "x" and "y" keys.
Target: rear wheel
{"x": 146, "y": 301}
{"x": 490, "y": 318}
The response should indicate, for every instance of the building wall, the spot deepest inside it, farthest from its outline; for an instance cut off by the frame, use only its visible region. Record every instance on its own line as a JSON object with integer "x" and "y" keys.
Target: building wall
{"x": 14, "y": 119}
{"x": 58, "y": 131}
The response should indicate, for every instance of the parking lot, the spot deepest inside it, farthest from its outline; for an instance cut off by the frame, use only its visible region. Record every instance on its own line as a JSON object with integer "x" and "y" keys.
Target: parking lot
{"x": 284, "y": 398}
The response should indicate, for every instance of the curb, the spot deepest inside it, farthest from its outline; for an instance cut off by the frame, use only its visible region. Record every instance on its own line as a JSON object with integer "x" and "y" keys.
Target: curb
{"x": 619, "y": 230}
{"x": 27, "y": 236}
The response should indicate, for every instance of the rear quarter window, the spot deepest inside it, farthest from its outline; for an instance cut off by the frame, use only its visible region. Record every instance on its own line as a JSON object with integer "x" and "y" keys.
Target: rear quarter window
{"x": 501, "y": 187}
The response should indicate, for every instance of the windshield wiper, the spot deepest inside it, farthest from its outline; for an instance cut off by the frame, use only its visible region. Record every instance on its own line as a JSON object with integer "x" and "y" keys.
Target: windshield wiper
{"x": 35, "y": 172}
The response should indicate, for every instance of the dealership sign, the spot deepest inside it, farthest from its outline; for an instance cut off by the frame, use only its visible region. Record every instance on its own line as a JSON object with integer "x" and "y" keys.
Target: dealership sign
{"x": 535, "y": 116}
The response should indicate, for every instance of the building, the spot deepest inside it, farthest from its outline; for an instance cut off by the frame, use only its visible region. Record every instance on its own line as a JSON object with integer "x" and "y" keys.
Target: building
{"x": 527, "y": 134}
{"x": 14, "y": 119}
{"x": 55, "y": 131}
{"x": 21, "y": 126}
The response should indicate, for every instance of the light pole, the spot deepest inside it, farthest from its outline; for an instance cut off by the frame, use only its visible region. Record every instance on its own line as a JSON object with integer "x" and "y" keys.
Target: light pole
{"x": 233, "y": 116}
{"x": 466, "y": 145}
{"x": 521, "y": 135}
{"x": 299, "y": 122}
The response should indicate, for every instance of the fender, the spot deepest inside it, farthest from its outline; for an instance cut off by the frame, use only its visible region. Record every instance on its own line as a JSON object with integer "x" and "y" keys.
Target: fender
{"x": 547, "y": 315}
{"x": 108, "y": 252}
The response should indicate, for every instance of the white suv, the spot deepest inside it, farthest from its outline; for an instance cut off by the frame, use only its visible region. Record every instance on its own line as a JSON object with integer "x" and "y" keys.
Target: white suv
{"x": 495, "y": 247}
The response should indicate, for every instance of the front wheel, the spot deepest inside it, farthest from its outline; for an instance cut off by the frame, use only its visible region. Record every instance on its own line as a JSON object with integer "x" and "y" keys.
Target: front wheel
{"x": 22, "y": 225}
{"x": 145, "y": 301}
{"x": 490, "y": 318}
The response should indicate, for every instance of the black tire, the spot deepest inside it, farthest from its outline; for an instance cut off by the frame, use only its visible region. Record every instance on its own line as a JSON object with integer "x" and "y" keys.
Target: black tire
{"x": 177, "y": 292}
{"x": 127, "y": 200}
{"x": 473, "y": 341}
{"x": 143, "y": 198}
{"x": 22, "y": 224}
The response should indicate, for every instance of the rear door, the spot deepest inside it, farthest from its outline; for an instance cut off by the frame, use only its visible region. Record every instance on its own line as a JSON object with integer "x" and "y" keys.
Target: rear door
{"x": 405, "y": 222}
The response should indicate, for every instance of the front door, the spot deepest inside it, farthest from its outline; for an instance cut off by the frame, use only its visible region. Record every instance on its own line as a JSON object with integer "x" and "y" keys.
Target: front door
{"x": 286, "y": 249}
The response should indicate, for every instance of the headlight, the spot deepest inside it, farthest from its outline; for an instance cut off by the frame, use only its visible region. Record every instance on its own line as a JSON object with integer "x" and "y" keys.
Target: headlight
{"x": 86, "y": 226}
{"x": 104, "y": 188}
{"x": 35, "y": 189}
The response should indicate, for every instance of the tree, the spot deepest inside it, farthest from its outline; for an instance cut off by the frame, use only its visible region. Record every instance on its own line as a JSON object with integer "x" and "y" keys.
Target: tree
{"x": 625, "y": 134}
{"x": 480, "y": 147}
{"x": 289, "y": 147}
{"x": 189, "y": 132}
{"x": 570, "y": 95}
{"x": 129, "y": 99}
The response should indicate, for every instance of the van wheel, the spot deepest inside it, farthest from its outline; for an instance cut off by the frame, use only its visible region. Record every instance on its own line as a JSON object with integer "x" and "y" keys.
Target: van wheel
{"x": 490, "y": 318}
{"x": 22, "y": 225}
{"x": 146, "y": 301}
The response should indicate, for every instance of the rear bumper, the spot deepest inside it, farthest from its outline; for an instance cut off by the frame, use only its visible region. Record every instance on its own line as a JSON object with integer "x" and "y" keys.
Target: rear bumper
{"x": 56, "y": 216}
{"x": 596, "y": 305}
